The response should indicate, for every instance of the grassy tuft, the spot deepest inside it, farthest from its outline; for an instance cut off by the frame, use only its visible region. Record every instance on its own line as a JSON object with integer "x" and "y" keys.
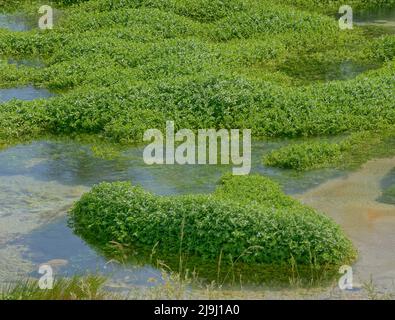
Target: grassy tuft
{"x": 76, "y": 288}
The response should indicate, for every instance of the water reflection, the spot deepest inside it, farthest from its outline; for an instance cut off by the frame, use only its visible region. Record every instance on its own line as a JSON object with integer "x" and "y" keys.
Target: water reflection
{"x": 71, "y": 163}
{"x": 55, "y": 244}
{"x": 40, "y": 181}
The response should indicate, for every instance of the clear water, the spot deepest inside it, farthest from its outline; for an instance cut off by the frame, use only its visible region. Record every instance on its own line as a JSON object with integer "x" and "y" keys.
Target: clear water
{"x": 24, "y": 93}
{"x": 352, "y": 202}
{"x": 18, "y": 22}
{"x": 307, "y": 69}
{"x": 40, "y": 181}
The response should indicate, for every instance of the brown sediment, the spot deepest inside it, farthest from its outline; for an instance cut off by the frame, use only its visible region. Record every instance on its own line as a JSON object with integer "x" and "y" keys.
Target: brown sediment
{"x": 352, "y": 202}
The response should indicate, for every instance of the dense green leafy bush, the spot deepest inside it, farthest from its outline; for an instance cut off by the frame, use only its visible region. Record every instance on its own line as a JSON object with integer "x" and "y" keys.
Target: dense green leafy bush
{"x": 274, "y": 229}
{"x": 268, "y": 110}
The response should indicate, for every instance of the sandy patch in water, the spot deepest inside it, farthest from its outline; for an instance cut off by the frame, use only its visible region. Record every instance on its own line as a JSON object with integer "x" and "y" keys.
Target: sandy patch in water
{"x": 351, "y": 202}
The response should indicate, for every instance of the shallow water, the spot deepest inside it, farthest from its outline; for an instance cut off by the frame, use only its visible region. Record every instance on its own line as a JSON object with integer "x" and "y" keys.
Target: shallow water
{"x": 307, "y": 69}
{"x": 24, "y": 93}
{"x": 352, "y": 202}
{"x": 384, "y": 18}
{"x": 16, "y": 22}
{"x": 40, "y": 181}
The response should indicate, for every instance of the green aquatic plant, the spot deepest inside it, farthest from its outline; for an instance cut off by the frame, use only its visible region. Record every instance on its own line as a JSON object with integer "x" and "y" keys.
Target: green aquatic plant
{"x": 271, "y": 230}
{"x": 305, "y": 156}
{"x": 122, "y": 67}
{"x": 351, "y": 151}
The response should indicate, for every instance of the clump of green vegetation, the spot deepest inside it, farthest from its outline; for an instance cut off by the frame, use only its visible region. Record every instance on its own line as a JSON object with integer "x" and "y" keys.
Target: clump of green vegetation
{"x": 305, "y": 156}
{"x": 225, "y": 227}
{"x": 254, "y": 189}
{"x": 76, "y": 288}
{"x": 352, "y": 151}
